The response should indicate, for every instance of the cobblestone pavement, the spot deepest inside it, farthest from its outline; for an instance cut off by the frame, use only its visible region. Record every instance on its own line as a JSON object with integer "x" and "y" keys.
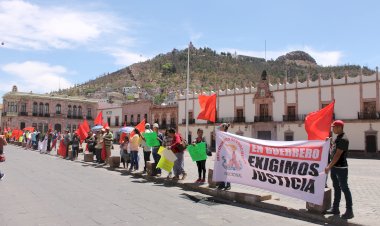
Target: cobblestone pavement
{"x": 46, "y": 190}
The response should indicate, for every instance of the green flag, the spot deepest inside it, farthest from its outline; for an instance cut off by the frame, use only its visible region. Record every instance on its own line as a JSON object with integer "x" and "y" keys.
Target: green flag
{"x": 151, "y": 139}
{"x": 197, "y": 151}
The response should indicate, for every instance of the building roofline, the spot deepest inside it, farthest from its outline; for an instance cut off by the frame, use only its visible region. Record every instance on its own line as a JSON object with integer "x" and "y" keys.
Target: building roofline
{"x": 49, "y": 96}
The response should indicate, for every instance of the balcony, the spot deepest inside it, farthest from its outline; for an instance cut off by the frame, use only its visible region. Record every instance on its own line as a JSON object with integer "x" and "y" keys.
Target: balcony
{"x": 23, "y": 113}
{"x": 191, "y": 121}
{"x": 41, "y": 114}
{"x": 263, "y": 118}
{"x": 293, "y": 118}
{"x": 368, "y": 115}
{"x": 35, "y": 114}
{"x": 3, "y": 114}
{"x": 89, "y": 117}
{"x": 69, "y": 116}
{"x": 47, "y": 115}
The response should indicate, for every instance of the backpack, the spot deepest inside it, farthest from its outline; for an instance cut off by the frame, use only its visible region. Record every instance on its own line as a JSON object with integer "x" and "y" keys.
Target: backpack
{"x": 183, "y": 145}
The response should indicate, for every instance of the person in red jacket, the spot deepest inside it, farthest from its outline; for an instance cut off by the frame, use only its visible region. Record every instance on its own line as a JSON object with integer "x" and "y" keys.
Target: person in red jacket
{"x": 179, "y": 163}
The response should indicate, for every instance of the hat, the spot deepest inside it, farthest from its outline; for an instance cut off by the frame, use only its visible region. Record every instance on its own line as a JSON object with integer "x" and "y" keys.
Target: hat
{"x": 147, "y": 124}
{"x": 155, "y": 125}
{"x": 103, "y": 130}
{"x": 107, "y": 127}
{"x": 338, "y": 123}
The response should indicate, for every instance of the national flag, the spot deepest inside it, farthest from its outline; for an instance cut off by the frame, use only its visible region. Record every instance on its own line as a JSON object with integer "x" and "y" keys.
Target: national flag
{"x": 318, "y": 123}
{"x": 208, "y": 107}
{"x": 85, "y": 125}
{"x": 140, "y": 127}
{"x": 99, "y": 119}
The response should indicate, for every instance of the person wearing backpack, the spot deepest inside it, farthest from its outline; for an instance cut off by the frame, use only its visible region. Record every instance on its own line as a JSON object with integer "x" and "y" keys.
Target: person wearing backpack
{"x": 178, "y": 150}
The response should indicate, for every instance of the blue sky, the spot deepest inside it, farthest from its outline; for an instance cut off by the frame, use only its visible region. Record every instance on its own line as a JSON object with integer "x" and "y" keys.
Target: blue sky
{"x": 52, "y": 43}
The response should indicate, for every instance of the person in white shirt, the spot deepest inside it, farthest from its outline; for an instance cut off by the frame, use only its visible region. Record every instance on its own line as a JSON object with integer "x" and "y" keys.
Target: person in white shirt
{"x": 146, "y": 149}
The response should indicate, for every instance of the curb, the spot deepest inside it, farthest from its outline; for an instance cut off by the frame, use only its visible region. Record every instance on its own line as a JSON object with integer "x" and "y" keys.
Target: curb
{"x": 260, "y": 201}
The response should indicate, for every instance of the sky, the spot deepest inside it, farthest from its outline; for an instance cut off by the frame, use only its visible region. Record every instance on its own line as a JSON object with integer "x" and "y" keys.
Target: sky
{"x": 50, "y": 44}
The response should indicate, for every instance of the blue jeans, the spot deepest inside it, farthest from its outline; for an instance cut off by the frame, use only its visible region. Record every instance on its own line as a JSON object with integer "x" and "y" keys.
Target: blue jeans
{"x": 339, "y": 178}
{"x": 156, "y": 158}
{"x": 179, "y": 164}
{"x": 134, "y": 160}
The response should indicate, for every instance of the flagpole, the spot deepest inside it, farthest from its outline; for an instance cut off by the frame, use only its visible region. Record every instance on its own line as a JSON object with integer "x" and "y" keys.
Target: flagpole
{"x": 187, "y": 94}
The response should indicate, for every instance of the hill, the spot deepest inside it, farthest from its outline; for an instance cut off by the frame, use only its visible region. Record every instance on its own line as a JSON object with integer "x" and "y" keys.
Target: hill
{"x": 208, "y": 69}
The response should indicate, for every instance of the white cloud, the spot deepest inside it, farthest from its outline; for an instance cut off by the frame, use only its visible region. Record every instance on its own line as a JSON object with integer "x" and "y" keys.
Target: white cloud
{"x": 325, "y": 58}
{"x": 124, "y": 57}
{"x": 25, "y": 25}
{"x": 38, "y": 77}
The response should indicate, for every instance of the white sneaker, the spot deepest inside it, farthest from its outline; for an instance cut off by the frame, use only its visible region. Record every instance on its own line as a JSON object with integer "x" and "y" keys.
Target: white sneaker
{"x": 1, "y": 176}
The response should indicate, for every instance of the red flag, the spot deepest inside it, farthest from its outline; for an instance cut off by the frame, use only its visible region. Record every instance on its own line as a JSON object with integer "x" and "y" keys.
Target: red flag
{"x": 208, "y": 107}
{"x": 105, "y": 125}
{"x": 82, "y": 133}
{"x": 318, "y": 123}
{"x": 122, "y": 136}
{"x": 85, "y": 125}
{"x": 140, "y": 127}
{"x": 99, "y": 119}
{"x": 62, "y": 149}
{"x": 103, "y": 154}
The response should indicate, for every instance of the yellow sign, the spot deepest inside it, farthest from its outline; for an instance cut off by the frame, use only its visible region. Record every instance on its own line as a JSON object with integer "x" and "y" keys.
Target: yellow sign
{"x": 165, "y": 164}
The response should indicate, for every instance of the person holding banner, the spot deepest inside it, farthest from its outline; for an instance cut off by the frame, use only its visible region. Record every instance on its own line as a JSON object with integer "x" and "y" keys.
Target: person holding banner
{"x": 155, "y": 149}
{"x": 202, "y": 163}
{"x": 339, "y": 171}
{"x": 179, "y": 162}
{"x": 224, "y": 185}
{"x": 134, "y": 145}
{"x": 146, "y": 149}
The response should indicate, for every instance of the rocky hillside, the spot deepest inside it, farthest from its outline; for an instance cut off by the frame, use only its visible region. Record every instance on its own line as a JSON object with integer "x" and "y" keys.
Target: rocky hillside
{"x": 208, "y": 69}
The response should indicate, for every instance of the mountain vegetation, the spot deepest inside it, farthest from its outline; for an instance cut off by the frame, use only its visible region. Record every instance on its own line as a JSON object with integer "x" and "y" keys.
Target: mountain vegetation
{"x": 208, "y": 70}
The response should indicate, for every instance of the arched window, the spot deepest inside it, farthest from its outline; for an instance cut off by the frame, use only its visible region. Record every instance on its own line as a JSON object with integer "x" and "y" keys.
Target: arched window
{"x": 79, "y": 111}
{"x": 46, "y": 108}
{"x": 75, "y": 111}
{"x": 41, "y": 109}
{"x": 58, "y": 109}
{"x": 69, "y": 111}
{"x": 35, "y": 108}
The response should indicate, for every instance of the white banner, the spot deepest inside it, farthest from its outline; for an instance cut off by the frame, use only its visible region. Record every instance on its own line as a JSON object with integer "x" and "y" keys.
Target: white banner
{"x": 293, "y": 168}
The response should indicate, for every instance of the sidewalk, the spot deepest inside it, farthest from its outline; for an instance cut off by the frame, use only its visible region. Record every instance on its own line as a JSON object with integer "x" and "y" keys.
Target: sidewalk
{"x": 363, "y": 181}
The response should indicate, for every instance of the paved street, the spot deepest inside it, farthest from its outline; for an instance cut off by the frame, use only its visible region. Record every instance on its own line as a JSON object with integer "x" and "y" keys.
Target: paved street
{"x": 46, "y": 190}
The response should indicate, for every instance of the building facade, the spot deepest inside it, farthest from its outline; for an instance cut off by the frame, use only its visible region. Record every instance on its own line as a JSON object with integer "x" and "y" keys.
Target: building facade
{"x": 135, "y": 112}
{"x": 277, "y": 111}
{"x": 165, "y": 115}
{"x": 43, "y": 111}
{"x": 112, "y": 114}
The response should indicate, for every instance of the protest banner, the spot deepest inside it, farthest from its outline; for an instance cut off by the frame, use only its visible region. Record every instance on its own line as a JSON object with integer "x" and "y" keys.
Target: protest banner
{"x": 293, "y": 168}
{"x": 169, "y": 155}
{"x": 151, "y": 139}
{"x": 198, "y": 151}
{"x": 165, "y": 164}
{"x": 160, "y": 150}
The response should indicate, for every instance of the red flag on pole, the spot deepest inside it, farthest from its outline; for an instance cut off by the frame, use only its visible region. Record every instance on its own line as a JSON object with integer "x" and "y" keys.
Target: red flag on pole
{"x": 140, "y": 127}
{"x": 82, "y": 133}
{"x": 122, "y": 137}
{"x": 208, "y": 107}
{"x": 99, "y": 119}
{"x": 85, "y": 125}
{"x": 105, "y": 125}
{"x": 318, "y": 123}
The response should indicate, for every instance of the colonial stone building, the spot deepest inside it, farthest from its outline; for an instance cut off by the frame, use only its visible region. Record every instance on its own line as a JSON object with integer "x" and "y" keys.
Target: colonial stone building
{"x": 43, "y": 110}
{"x": 135, "y": 112}
{"x": 277, "y": 111}
{"x": 165, "y": 115}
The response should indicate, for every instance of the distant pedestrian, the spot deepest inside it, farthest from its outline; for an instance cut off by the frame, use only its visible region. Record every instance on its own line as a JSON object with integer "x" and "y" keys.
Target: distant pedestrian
{"x": 67, "y": 141}
{"x": 134, "y": 145}
{"x": 224, "y": 185}
{"x": 339, "y": 171}
{"x": 179, "y": 153}
{"x": 91, "y": 142}
{"x": 146, "y": 149}
{"x": 155, "y": 149}
{"x": 202, "y": 163}
{"x": 99, "y": 145}
{"x": 108, "y": 142}
{"x": 3, "y": 142}
{"x": 125, "y": 153}
{"x": 75, "y": 142}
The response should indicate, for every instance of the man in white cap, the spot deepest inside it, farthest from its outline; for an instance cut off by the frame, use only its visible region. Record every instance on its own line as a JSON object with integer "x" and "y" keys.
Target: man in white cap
{"x": 147, "y": 150}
